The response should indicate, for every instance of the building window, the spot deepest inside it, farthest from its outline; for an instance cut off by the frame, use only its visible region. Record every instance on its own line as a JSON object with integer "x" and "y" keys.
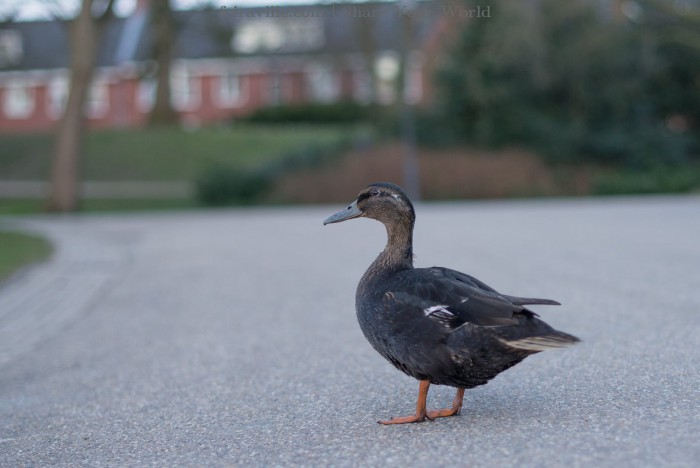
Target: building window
{"x": 322, "y": 84}
{"x": 19, "y": 100}
{"x": 11, "y": 51}
{"x": 146, "y": 95}
{"x": 57, "y": 97}
{"x": 97, "y": 103}
{"x": 228, "y": 92}
{"x": 184, "y": 89}
{"x": 303, "y": 34}
{"x": 274, "y": 34}
{"x": 362, "y": 86}
{"x": 258, "y": 36}
{"x": 413, "y": 92}
{"x": 386, "y": 69}
{"x": 274, "y": 89}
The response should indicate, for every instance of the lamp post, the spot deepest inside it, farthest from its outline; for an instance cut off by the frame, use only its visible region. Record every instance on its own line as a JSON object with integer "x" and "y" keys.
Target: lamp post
{"x": 411, "y": 173}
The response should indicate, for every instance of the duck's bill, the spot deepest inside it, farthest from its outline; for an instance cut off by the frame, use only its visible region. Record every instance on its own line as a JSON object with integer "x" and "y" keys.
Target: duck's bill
{"x": 350, "y": 212}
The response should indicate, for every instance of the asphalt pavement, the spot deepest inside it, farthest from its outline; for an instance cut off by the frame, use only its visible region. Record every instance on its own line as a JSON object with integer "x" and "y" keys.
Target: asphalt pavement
{"x": 229, "y": 337}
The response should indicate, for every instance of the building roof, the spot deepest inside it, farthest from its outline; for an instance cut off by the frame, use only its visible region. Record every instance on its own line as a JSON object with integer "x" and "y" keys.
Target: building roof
{"x": 44, "y": 44}
{"x": 227, "y": 33}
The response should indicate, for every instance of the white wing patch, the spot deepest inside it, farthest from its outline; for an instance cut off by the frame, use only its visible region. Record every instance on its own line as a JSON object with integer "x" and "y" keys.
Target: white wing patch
{"x": 442, "y": 315}
{"x": 431, "y": 310}
{"x": 540, "y": 343}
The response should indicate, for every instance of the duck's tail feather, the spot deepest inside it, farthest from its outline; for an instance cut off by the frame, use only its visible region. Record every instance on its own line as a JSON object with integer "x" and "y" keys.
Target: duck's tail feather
{"x": 541, "y": 343}
{"x": 530, "y": 300}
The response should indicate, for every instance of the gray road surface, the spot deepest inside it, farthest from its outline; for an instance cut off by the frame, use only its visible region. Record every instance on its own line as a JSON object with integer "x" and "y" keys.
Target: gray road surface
{"x": 229, "y": 337}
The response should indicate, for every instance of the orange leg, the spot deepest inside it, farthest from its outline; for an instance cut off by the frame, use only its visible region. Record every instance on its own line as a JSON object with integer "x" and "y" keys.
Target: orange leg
{"x": 456, "y": 407}
{"x": 420, "y": 415}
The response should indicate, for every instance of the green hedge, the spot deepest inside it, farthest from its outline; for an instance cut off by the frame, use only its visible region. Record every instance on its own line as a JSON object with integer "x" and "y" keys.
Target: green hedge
{"x": 222, "y": 185}
{"x": 341, "y": 112}
{"x": 659, "y": 180}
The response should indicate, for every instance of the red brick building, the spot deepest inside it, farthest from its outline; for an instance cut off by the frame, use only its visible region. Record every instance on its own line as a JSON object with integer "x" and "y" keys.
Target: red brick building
{"x": 228, "y": 62}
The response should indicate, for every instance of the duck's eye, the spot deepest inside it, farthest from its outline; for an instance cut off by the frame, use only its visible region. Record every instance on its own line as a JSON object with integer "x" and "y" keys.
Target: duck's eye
{"x": 374, "y": 193}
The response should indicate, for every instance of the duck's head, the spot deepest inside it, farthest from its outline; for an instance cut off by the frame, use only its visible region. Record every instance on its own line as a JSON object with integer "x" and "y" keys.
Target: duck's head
{"x": 382, "y": 201}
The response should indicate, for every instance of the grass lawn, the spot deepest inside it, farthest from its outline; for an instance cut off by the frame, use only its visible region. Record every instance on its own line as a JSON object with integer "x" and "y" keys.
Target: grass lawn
{"x": 18, "y": 250}
{"x": 164, "y": 154}
{"x": 20, "y": 207}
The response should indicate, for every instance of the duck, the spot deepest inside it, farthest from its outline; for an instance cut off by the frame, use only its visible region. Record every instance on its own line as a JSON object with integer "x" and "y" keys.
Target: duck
{"x": 438, "y": 325}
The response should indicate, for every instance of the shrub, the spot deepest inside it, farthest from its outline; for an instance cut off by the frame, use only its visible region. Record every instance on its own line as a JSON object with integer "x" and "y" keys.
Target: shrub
{"x": 341, "y": 112}
{"x": 221, "y": 185}
{"x": 563, "y": 79}
{"x": 658, "y": 180}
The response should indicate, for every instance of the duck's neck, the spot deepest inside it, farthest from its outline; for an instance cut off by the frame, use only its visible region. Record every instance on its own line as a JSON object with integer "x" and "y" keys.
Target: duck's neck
{"x": 398, "y": 253}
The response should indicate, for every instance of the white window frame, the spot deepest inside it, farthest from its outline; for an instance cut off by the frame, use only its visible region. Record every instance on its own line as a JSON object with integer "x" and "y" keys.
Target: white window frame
{"x": 362, "y": 86}
{"x": 19, "y": 99}
{"x": 413, "y": 92}
{"x": 274, "y": 34}
{"x": 146, "y": 94}
{"x": 185, "y": 89}
{"x": 323, "y": 84}
{"x": 57, "y": 96}
{"x": 224, "y": 94}
{"x": 11, "y": 48}
{"x": 258, "y": 35}
{"x": 97, "y": 104}
{"x": 386, "y": 70}
{"x": 274, "y": 86}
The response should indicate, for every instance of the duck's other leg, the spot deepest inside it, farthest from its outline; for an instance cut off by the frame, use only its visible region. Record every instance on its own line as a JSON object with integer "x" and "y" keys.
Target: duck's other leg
{"x": 455, "y": 410}
{"x": 420, "y": 415}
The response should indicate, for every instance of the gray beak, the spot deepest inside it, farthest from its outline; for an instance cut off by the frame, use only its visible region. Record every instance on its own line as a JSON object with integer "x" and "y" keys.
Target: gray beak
{"x": 350, "y": 212}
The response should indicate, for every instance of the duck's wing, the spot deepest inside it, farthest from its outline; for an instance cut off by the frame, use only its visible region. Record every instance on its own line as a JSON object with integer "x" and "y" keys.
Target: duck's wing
{"x": 474, "y": 282}
{"x": 452, "y": 299}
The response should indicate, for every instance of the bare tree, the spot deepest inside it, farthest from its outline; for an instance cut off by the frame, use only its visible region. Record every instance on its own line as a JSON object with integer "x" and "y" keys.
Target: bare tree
{"x": 163, "y": 29}
{"x": 85, "y": 33}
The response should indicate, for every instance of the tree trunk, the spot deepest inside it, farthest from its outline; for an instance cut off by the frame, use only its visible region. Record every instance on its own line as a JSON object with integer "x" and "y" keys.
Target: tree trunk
{"x": 163, "y": 28}
{"x": 68, "y": 146}
{"x": 85, "y": 34}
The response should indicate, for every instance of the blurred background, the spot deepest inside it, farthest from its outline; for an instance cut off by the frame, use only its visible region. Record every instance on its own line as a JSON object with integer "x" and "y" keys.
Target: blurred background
{"x": 153, "y": 104}
{"x": 226, "y": 336}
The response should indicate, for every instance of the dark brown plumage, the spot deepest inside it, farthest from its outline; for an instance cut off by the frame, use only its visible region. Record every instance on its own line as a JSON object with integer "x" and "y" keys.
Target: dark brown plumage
{"x": 435, "y": 324}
